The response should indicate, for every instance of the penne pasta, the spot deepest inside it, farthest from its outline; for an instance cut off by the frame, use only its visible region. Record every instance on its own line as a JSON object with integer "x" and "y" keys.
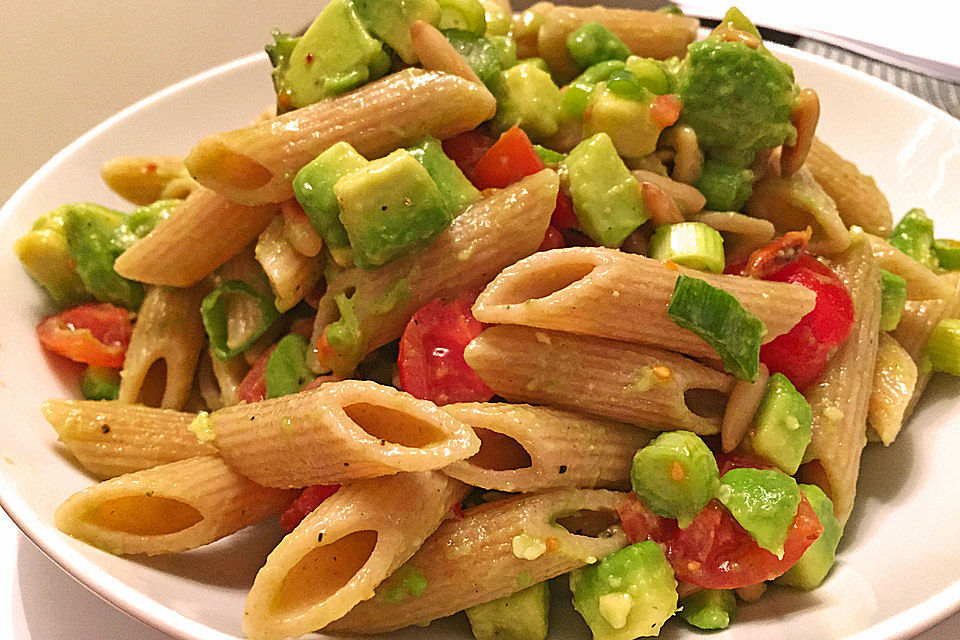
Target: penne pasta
{"x": 496, "y": 549}
{"x": 254, "y": 165}
{"x": 611, "y": 294}
{"x": 339, "y": 432}
{"x": 162, "y": 357}
{"x": 894, "y": 381}
{"x": 174, "y": 507}
{"x": 632, "y": 383}
{"x": 146, "y": 179}
{"x": 741, "y": 234}
{"x": 922, "y": 283}
{"x": 291, "y": 273}
{"x": 180, "y": 250}
{"x": 527, "y": 448}
{"x": 687, "y": 199}
{"x": 741, "y": 408}
{"x": 219, "y": 380}
{"x": 680, "y": 143}
{"x": 437, "y": 54}
{"x": 493, "y": 233}
{"x": 339, "y": 553}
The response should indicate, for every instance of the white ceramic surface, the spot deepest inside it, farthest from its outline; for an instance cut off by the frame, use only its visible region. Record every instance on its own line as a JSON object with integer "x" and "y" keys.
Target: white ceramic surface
{"x": 899, "y": 568}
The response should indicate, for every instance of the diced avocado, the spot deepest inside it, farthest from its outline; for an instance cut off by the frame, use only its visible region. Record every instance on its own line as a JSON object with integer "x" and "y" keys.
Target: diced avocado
{"x": 709, "y": 609}
{"x": 100, "y": 383}
{"x": 592, "y": 42}
{"x": 628, "y": 594}
{"x": 528, "y": 98}
{"x": 287, "y": 369}
{"x": 43, "y": 252}
{"x": 483, "y": 56}
{"x": 549, "y": 156}
{"x": 313, "y": 188}
{"x": 725, "y": 186}
{"x": 456, "y": 191}
{"x": 651, "y": 74}
{"x": 942, "y": 352}
{"x": 816, "y": 561}
{"x": 518, "y": 616}
{"x": 279, "y": 54}
{"x": 735, "y": 18}
{"x": 893, "y": 297}
{"x": 737, "y": 99}
{"x": 675, "y": 475}
{"x": 141, "y": 221}
{"x": 626, "y": 120}
{"x": 688, "y": 244}
{"x": 390, "y": 21}
{"x": 763, "y": 501}
{"x": 506, "y": 50}
{"x": 781, "y": 427}
{"x": 914, "y": 236}
{"x": 576, "y": 95}
{"x": 948, "y": 253}
{"x": 335, "y": 54}
{"x": 606, "y": 196}
{"x": 498, "y": 19}
{"x": 89, "y": 230}
{"x": 390, "y": 208}
{"x": 347, "y": 342}
{"x": 467, "y": 15}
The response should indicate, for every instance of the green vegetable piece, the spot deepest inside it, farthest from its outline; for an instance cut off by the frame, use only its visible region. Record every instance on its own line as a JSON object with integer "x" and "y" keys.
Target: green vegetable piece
{"x": 528, "y": 98}
{"x": 670, "y": 9}
{"x": 735, "y": 18}
{"x": 100, "y": 383}
{"x": 675, "y": 475}
{"x": 816, "y": 561}
{"x": 943, "y": 347}
{"x": 628, "y": 594}
{"x": 709, "y": 609}
{"x": 141, "y": 221}
{"x": 689, "y": 244}
{"x": 576, "y": 96}
{"x": 914, "y": 236}
{"x": 279, "y": 55}
{"x": 466, "y": 15}
{"x": 483, "y": 56}
{"x": 725, "y": 186}
{"x": 390, "y": 208}
{"x": 214, "y": 311}
{"x": 287, "y": 369}
{"x": 604, "y": 192}
{"x": 549, "y": 156}
{"x": 893, "y": 297}
{"x": 44, "y": 253}
{"x": 506, "y": 50}
{"x": 782, "y": 425}
{"x": 89, "y": 230}
{"x": 313, "y": 188}
{"x": 592, "y": 42}
{"x": 720, "y": 319}
{"x": 650, "y": 74}
{"x": 519, "y": 616}
{"x": 624, "y": 115}
{"x": 345, "y": 338}
{"x": 737, "y": 99}
{"x": 390, "y": 21}
{"x": 406, "y": 582}
{"x": 456, "y": 191}
{"x": 498, "y": 19}
{"x": 763, "y": 501}
{"x": 948, "y": 253}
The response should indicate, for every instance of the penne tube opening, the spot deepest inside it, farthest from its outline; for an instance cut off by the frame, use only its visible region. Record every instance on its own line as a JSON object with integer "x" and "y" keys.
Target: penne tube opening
{"x": 550, "y": 280}
{"x": 393, "y": 426}
{"x": 224, "y": 170}
{"x": 590, "y": 523}
{"x": 499, "y": 452}
{"x": 706, "y": 403}
{"x": 152, "y": 388}
{"x": 143, "y": 515}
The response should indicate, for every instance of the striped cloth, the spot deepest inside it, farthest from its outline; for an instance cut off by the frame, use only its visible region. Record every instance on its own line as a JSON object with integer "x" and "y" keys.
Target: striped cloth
{"x": 940, "y": 93}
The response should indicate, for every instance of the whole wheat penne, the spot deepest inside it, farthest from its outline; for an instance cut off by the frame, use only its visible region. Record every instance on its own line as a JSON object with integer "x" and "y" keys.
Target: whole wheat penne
{"x": 202, "y": 233}
{"x": 612, "y": 294}
{"x": 646, "y": 33}
{"x": 858, "y": 199}
{"x": 922, "y": 283}
{"x": 744, "y": 400}
{"x": 632, "y": 383}
{"x": 489, "y": 235}
{"x": 527, "y": 448}
{"x": 687, "y": 199}
{"x": 256, "y": 164}
{"x": 110, "y": 439}
{"x": 159, "y": 367}
{"x": 795, "y": 203}
{"x": 174, "y": 507}
{"x": 339, "y": 432}
{"x": 146, "y": 179}
{"x": 219, "y": 380}
{"x": 841, "y": 398}
{"x": 680, "y": 141}
{"x": 339, "y": 553}
{"x": 437, "y": 54}
{"x": 291, "y": 273}
{"x": 894, "y": 381}
{"x": 741, "y": 234}
{"x": 496, "y": 549}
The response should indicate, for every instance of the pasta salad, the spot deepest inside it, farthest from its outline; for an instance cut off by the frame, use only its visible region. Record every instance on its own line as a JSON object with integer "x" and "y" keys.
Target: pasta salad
{"x": 488, "y": 301}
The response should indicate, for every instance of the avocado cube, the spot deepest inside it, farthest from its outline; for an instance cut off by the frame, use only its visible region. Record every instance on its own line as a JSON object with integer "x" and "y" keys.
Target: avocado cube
{"x": 709, "y": 609}
{"x": 390, "y": 21}
{"x": 893, "y": 297}
{"x": 816, "y": 561}
{"x": 518, "y": 616}
{"x": 313, "y": 188}
{"x": 782, "y": 425}
{"x": 456, "y": 191}
{"x": 762, "y": 501}
{"x": 725, "y": 186}
{"x": 628, "y": 594}
{"x": 628, "y": 123}
{"x": 44, "y": 253}
{"x": 528, "y": 98}
{"x": 389, "y": 208}
{"x": 606, "y": 196}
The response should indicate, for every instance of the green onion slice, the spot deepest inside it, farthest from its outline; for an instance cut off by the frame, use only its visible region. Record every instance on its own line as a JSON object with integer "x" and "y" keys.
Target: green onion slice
{"x": 689, "y": 244}
{"x": 235, "y": 315}
{"x": 287, "y": 369}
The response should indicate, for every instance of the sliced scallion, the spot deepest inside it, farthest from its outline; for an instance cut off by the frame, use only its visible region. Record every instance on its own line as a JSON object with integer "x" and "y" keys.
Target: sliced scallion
{"x": 259, "y": 313}
{"x": 943, "y": 348}
{"x": 914, "y": 236}
{"x": 287, "y": 369}
{"x": 948, "y": 254}
{"x": 689, "y": 244}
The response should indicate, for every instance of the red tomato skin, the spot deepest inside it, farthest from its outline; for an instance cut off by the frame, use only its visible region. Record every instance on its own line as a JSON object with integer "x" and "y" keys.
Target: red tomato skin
{"x": 466, "y": 149}
{"x": 737, "y": 460}
{"x": 431, "y": 353}
{"x": 552, "y": 239}
{"x": 302, "y": 506}
{"x": 95, "y": 333}
{"x": 511, "y": 158}
{"x": 564, "y": 217}
{"x": 801, "y": 354}
{"x": 253, "y": 387}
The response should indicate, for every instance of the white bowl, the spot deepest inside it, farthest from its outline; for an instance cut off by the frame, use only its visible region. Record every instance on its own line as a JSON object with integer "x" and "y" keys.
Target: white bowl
{"x": 899, "y": 562}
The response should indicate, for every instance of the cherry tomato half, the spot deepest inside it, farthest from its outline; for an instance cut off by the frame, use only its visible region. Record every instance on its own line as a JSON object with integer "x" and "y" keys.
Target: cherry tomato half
{"x": 96, "y": 334}
{"x": 311, "y": 498}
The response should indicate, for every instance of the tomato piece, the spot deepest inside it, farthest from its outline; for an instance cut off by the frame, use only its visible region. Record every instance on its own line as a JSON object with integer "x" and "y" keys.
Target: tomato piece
{"x": 552, "y": 239}
{"x": 640, "y": 523}
{"x": 311, "y": 498}
{"x": 511, "y": 158}
{"x": 96, "y": 334}
{"x": 431, "y": 353}
{"x": 466, "y": 149}
{"x": 665, "y": 110}
{"x": 736, "y": 460}
{"x": 253, "y": 387}
{"x": 801, "y": 354}
{"x": 777, "y": 255}
{"x": 564, "y": 217}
